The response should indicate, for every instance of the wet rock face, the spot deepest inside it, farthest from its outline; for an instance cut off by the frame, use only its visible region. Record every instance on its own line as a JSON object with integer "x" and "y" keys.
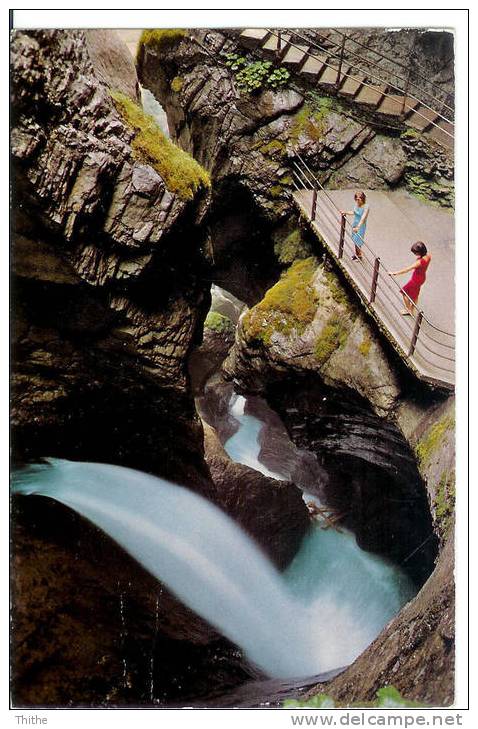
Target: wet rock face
{"x": 324, "y": 333}
{"x": 108, "y": 289}
{"x": 272, "y": 512}
{"x": 373, "y": 479}
{"x": 109, "y": 298}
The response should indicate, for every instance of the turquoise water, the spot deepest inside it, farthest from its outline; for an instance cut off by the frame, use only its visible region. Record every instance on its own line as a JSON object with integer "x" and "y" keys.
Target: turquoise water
{"x": 320, "y": 615}
{"x": 243, "y": 447}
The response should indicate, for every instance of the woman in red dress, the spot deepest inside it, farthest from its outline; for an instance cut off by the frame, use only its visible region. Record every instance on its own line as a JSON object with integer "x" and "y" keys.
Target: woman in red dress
{"x": 411, "y": 290}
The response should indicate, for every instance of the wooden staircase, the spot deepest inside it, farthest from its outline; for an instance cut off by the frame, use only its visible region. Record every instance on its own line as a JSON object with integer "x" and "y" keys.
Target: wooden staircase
{"x": 340, "y": 78}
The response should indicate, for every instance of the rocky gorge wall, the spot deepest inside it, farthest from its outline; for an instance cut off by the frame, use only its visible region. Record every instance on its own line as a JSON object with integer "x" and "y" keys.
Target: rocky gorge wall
{"x": 305, "y": 337}
{"x": 112, "y": 287}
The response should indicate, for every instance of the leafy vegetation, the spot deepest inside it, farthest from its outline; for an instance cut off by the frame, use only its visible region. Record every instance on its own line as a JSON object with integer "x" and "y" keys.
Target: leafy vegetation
{"x": 181, "y": 173}
{"x": 254, "y": 76}
{"x": 387, "y": 698}
{"x": 289, "y": 305}
{"x": 219, "y": 323}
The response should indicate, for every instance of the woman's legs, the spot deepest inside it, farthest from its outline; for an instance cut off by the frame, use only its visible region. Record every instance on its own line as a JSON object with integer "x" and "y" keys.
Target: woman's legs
{"x": 409, "y": 305}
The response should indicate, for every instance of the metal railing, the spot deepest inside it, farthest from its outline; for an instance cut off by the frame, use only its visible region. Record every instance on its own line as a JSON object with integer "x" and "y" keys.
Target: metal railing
{"x": 415, "y": 336}
{"x": 345, "y": 53}
{"x": 410, "y": 101}
{"x": 432, "y": 348}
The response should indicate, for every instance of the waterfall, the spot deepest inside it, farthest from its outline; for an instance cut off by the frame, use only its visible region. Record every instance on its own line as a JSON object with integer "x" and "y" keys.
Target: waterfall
{"x": 216, "y": 569}
{"x": 243, "y": 446}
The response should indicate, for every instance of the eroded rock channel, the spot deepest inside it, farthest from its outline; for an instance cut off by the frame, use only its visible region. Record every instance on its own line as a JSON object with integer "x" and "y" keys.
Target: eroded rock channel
{"x": 175, "y": 318}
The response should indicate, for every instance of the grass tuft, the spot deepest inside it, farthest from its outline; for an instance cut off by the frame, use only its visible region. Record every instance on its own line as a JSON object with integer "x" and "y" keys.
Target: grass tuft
{"x": 181, "y": 173}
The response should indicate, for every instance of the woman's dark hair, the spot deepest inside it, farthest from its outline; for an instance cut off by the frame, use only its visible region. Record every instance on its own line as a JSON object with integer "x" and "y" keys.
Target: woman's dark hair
{"x": 360, "y": 195}
{"x": 419, "y": 248}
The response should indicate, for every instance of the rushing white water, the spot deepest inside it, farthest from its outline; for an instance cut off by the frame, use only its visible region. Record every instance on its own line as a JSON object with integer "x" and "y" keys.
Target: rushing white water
{"x": 243, "y": 446}
{"x": 216, "y": 569}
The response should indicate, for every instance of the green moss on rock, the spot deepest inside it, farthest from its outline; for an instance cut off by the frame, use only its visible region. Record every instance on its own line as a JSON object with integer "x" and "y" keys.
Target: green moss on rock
{"x": 289, "y": 305}
{"x": 160, "y": 38}
{"x": 431, "y": 442}
{"x": 310, "y": 119}
{"x": 331, "y": 338}
{"x": 276, "y": 191}
{"x": 177, "y": 84}
{"x": 181, "y": 173}
{"x": 364, "y": 346}
{"x": 291, "y": 248}
{"x": 273, "y": 148}
{"x": 219, "y": 323}
{"x": 444, "y": 503}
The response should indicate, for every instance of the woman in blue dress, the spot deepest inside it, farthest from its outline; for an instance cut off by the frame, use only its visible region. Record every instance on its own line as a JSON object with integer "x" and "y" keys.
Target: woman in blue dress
{"x": 359, "y": 223}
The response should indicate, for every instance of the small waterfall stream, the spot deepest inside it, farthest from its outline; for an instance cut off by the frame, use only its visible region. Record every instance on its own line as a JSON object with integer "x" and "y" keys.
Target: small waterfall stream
{"x": 218, "y": 571}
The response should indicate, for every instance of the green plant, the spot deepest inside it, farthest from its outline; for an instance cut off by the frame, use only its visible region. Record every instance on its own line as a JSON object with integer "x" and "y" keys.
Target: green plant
{"x": 252, "y": 76}
{"x": 219, "y": 323}
{"x": 387, "y": 698}
{"x": 278, "y": 78}
{"x": 235, "y": 62}
{"x": 181, "y": 173}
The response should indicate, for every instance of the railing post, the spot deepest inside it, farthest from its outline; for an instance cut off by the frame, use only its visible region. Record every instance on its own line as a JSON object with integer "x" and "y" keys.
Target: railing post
{"x": 415, "y": 334}
{"x": 407, "y": 83}
{"x": 314, "y": 204}
{"x": 373, "y": 290}
{"x": 342, "y": 236}
{"x": 340, "y": 63}
{"x": 279, "y": 42}
{"x": 405, "y": 92}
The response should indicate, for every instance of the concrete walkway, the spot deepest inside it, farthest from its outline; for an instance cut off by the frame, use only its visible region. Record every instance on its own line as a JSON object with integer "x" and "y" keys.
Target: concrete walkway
{"x": 396, "y": 220}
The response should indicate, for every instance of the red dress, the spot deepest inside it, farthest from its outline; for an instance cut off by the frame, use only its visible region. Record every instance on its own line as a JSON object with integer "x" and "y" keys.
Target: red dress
{"x": 412, "y": 288}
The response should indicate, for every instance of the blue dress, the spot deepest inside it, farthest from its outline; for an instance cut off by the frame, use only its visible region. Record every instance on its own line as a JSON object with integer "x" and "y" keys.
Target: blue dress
{"x": 360, "y": 234}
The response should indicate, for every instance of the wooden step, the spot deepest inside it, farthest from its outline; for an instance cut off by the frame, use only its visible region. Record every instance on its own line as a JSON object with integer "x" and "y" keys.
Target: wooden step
{"x": 440, "y": 135}
{"x": 410, "y": 105}
{"x": 295, "y": 56}
{"x": 391, "y": 106}
{"x": 370, "y": 95}
{"x": 344, "y": 71}
{"x": 329, "y": 75}
{"x": 313, "y": 66}
{"x": 351, "y": 87}
{"x": 270, "y": 47}
{"x": 421, "y": 118}
{"x": 253, "y": 37}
